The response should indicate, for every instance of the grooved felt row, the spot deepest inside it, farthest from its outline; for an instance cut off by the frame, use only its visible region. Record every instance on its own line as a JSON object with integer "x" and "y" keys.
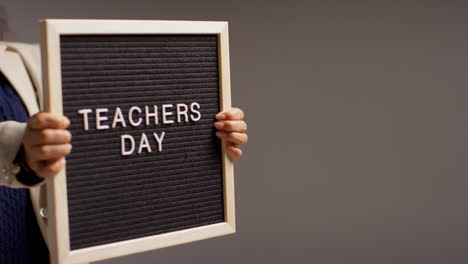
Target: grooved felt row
{"x": 111, "y": 197}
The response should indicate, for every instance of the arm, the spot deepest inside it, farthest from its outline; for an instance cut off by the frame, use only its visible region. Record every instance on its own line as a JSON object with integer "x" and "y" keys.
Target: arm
{"x": 44, "y": 141}
{"x": 24, "y": 144}
{"x": 11, "y": 135}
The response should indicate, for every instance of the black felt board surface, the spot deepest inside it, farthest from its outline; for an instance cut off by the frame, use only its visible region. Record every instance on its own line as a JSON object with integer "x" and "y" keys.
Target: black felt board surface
{"x": 112, "y": 197}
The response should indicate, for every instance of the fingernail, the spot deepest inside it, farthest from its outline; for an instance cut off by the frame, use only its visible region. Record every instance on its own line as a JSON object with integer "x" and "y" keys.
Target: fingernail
{"x": 232, "y": 148}
{"x": 66, "y": 121}
{"x": 220, "y": 116}
{"x": 221, "y": 134}
{"x": 219, "y": 125}
{"x": 60, "y": 163}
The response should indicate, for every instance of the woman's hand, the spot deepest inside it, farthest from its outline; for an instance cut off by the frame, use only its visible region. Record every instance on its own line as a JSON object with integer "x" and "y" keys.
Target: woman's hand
{"x": 46, "y": 143}
{"x": 231, "y": 128}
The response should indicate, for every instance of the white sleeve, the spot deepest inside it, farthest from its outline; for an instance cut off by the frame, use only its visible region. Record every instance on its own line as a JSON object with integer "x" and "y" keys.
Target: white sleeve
{"x": 11, "y": 135}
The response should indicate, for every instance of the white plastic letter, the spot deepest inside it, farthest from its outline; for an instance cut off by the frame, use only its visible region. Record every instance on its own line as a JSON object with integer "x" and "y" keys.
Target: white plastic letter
{"x": 154, "y": 114}
{"x": 192, "y": 109}
{"x": 130, "y": 116}
{"x": 181, "y": 112}
{"x": 100, "y": 118}
{"x": 144, "y": 143}
{"x": 85, "y": 113}
{"x": 165, "y": 114}
{"x": 118, "y": 117}
{"x": 123, "y": 150}
{"x": 159, "y": 140}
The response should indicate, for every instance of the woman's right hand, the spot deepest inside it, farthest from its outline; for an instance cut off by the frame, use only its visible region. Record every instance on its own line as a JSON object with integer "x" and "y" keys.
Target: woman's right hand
{"x": 46, "y": 142}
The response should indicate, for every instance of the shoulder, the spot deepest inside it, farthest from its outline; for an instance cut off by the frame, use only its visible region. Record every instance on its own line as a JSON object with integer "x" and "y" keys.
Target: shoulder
{"x": 30, "y": 54}
{"x": 19, "y": 47}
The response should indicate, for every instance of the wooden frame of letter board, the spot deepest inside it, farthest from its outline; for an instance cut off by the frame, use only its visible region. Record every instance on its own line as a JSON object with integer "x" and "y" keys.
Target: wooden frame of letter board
{"x": 55, "y": 225}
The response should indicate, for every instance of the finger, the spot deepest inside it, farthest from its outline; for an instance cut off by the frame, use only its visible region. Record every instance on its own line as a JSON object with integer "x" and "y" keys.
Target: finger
{"x": 231, "y": 114}
{"x": 50, "y": 168}
{"x": 48, "y": 120}
{"x": 234, "y": 152}
{"x": 233, "y": 137}
{"x": 47, "y": 136}
{"x": 48, "y": 152}
{"x": 231, "y": 126}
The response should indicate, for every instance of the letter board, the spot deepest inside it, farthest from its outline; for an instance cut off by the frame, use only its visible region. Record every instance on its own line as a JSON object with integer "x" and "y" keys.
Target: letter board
{"x": 146, "y": 170}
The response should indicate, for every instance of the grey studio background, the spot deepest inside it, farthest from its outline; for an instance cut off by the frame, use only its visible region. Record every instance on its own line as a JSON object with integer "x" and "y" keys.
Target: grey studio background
{"x": 357, "y": 114}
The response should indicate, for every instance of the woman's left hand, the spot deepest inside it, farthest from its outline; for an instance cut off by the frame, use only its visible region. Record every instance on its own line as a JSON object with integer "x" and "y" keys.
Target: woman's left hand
{"x": 231, "y": 128}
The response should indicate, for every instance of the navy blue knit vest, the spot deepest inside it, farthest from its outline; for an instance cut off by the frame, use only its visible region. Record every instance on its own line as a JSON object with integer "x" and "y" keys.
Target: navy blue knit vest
{"x": 21, "y": 241}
